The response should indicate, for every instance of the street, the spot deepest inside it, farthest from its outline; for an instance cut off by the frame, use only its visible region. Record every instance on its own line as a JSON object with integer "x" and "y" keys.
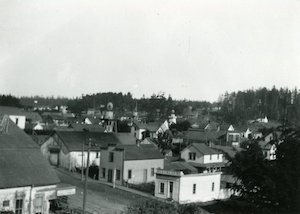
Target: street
{"x": 100, "y": 198}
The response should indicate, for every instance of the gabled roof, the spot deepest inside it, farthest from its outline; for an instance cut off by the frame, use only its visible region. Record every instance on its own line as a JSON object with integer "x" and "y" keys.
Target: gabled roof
{"x": 141, "y": 152}
{"x": 264, "y": 144}
{"x": 21, "y": 161}
{"x": 202, "y": 148}
{"x": 73, "y": 140}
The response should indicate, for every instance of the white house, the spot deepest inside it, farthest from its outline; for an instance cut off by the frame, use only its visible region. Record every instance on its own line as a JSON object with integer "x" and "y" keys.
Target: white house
{"x": 133, "y": 164}
{"x": 65, "y": 148}
{"x": 27, "y": 183}
{"x": 187, "y": 188}
{"x": 202, "y": 156}
{"x": 17, "y": 115}
{"x": 268, "y": 149}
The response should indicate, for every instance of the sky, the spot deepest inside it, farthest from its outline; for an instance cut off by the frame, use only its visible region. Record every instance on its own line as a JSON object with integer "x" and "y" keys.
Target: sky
{"x": 191, "y": 49}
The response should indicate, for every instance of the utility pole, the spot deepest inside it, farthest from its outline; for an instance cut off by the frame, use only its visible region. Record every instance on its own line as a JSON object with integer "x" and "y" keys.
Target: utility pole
{"x": 82, "y": 159}
{"x": 86, "y": 176}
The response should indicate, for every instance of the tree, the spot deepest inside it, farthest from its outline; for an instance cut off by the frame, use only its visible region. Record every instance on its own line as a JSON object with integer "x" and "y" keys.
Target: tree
{"x": 8, "y": 100}
{"x": 149, "y": 206}
{"x": 271, "y": 185}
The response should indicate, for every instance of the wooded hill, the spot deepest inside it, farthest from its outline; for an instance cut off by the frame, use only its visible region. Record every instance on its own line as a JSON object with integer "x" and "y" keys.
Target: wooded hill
{"x": 282, "y": 104}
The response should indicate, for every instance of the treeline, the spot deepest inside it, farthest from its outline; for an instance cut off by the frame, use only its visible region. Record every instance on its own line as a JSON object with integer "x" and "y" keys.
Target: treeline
{"x": 38, "y": 101}
{"x": 9, "y": 100}
{"x": 158, "y": 105}
{"x": 281, "y": 104}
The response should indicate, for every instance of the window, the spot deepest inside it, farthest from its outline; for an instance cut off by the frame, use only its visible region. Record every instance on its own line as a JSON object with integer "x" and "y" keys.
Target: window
{"x": 5, "y": 203}
{"x": 38, "y": 204}
{"x": 19, "y": 206}
{"x": 118, "y": 175}
{"x": 129, "y": 174}
{"x": 152, "y": 171}
{"x": 192, "y": 156}
{"x": 103, "y": 172}
{"x": 111, "y": 157}
{"x": 162, "y": 188}
{"x": 194, "y": 188}
{"x": 97, "y": 154}
{"x": 210, "y": 156}
{"x": 213, "y": 186}
{"x": 17, "y": 121}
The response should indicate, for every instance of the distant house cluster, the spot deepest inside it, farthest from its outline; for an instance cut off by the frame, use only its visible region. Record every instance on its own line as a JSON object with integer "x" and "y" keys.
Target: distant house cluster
{"x": 184, "y": 165}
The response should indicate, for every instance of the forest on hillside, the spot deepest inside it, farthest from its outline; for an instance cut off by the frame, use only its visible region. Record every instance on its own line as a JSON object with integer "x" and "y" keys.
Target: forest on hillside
{"x": 282, "y": 105}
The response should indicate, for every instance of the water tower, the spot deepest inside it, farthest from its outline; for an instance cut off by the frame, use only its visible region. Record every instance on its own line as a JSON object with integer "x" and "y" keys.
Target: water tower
{"x": 110, "y": 123}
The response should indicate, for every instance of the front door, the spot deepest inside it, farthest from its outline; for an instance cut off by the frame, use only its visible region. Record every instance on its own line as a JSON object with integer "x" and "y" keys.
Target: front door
{"x": 145, "y": 175}
{"x": 171, "y": 189}
{"x": 110, "y": 176}
{"x": 54, "y": 159}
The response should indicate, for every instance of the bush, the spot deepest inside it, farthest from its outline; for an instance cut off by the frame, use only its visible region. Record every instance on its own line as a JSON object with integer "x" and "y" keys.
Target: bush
{"x": 145, "y": 187}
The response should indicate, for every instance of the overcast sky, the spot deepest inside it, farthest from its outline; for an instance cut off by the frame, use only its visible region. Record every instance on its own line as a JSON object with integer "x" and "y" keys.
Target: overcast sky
{"x": 190, "y": 49}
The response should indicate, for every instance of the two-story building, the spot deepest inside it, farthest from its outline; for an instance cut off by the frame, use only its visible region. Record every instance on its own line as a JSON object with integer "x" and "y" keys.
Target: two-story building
{"x": 68, "y": 149}
{"x": 203, "y": 157}
{"x": 27, "y": 182}
{"x": 133, "y": 164}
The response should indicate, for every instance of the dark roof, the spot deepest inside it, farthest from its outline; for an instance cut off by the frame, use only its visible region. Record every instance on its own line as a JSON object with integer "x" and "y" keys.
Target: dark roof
{"x": 151, "y": 126}
{"x": 73, "y": 140}
{"x": 180, "y": 166}
{"x": 208, "y": 165}
{"x": 33, "y": 116}
{"x": 21, "y": 161}
{"x": 202, "y": 148}
{"x": 90, "y": 127}
{"x": 225, "y": 149}
{"x": 126, "y": 138}
{"x": 265, "y": 144}
{"x": 141, "y": 152}
{"x": 202, "y": 135}
{"x": 11, "y": 110}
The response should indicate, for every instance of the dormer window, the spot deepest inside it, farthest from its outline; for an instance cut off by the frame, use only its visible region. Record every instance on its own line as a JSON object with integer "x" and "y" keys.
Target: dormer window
{"x": 192, "y": 156}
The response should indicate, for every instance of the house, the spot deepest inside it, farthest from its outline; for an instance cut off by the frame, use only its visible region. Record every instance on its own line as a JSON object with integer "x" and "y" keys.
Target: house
{"x": 133, "y": 164}
{"x": 15, "y": 114}
{"x": 27, "y": 182}
{"x": 187, "y": 187}
{"x": 139, "y": 129}
{"x": 268, "y": 146}
{"x": 68, "y": 149}
{"x": 233, "y": 137}
{"x": 204, "y": 158}
{"x": 58, "y": 118}
{"x": 268, "y": 149}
